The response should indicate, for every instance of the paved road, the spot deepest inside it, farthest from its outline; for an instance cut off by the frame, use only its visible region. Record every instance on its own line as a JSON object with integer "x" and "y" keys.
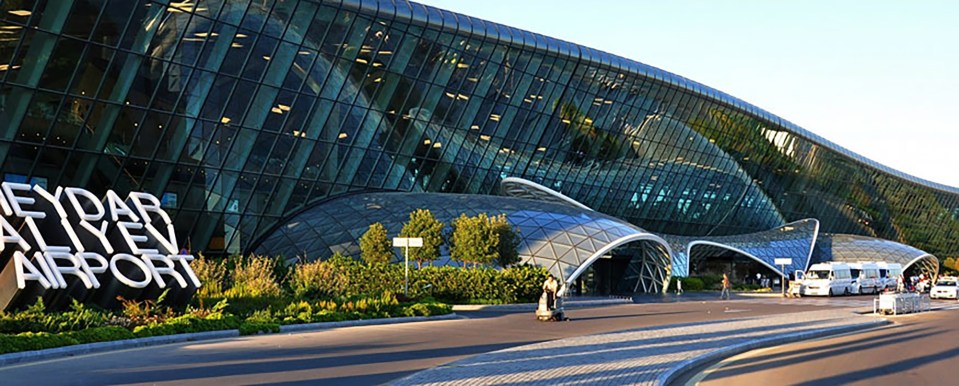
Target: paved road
{"x": 364, "y": 355}
{"x": 917, "y": 349}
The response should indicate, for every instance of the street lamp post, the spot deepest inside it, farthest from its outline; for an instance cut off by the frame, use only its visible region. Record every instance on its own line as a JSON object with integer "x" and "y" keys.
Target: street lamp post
{"x": 406, "y": 243}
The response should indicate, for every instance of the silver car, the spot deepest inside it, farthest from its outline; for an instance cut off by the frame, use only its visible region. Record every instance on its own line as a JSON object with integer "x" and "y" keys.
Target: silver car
{"x": 945, "y": 288}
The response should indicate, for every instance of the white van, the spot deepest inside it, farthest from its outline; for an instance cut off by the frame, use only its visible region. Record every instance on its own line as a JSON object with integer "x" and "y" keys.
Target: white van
{"x": 889, "y": 273}
{"x": 865, "y": 278}
{"x": 827, "y": 279}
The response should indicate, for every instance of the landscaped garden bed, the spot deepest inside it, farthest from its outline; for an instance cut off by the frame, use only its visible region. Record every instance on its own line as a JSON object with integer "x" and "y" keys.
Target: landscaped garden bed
{"x": 258, "y": 294}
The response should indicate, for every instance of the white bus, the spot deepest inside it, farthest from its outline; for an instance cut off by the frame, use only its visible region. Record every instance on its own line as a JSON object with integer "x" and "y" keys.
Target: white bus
{"x": 827, "y": 279}
{"x": 865, "y": 278}
{"x": 889, "y": 273}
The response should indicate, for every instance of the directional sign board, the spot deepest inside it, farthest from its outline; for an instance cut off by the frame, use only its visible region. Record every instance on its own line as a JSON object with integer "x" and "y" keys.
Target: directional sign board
{"x": 786, "y": 261}
{"x": 413, "y": 242}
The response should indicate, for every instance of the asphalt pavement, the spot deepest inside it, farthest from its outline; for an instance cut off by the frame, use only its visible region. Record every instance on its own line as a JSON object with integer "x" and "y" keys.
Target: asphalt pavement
{"x": 376, "y": 354}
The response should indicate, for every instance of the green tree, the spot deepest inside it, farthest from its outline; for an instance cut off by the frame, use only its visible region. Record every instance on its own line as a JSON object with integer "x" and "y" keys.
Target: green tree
{"x": 473, "y": 240}
{"x": 423, "y": 224}
{"x": 949, "y": 266}
{"x": 507, "y": 251}
{"x": 375, "y": 247}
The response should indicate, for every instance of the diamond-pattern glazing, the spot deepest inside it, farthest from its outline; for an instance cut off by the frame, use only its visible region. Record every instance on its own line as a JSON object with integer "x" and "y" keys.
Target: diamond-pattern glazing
{"x": 794, "y": 240}
{"x": 561, "y": 238}
{"x": 854, "y": 248}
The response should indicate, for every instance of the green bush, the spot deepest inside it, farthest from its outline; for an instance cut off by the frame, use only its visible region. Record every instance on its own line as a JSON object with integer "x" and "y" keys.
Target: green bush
{"x": 522, "y": 283}
{"x": 254, "y": 276}
{"x": 31, "y": 319}
{"x": 427, "y": 309}
{"x": 322, "y": 279}
{"x": 256, "y": 328}
{"x": 748, "y": 287}
{"x": 243, "y": 307}
{"x": 100, "y": 334}
{"x": 188, "y": 324}
{"x": 36, "y": 319}
{"x": 343, "y": 277}
{"x": 694, "y": 284}
{"x": 29, "y": 341}
{"x": 302, "y": 311}
{"x": 212, "y": 275}
{"x": 710, "y": 282}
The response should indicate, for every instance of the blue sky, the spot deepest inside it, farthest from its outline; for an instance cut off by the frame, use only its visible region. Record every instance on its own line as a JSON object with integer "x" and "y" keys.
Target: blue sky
{"x": 877, "y": 77}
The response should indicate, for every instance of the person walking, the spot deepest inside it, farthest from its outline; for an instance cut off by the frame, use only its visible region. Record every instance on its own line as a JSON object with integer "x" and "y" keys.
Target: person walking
{"x": 725, "y": 293}
{"x": 550, "y": 286}
{"x": 679, "y": 286}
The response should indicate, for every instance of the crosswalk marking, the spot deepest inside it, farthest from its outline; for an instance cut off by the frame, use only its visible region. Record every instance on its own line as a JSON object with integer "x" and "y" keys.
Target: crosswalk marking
{"x": 813, "y": 301}
{"x": 843, "y": 302}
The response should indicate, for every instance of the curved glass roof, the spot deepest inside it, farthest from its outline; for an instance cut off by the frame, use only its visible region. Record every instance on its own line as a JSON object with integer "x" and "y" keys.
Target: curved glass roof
{"x": 794, "y": 240}
{"x": 563, "y": 239}
{"x": 523, "y": 188}
{"x": 798, "y": 240}
{"x": 854, "y": 248}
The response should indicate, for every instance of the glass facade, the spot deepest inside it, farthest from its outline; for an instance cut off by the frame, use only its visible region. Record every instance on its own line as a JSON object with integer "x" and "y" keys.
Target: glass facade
{"x": 241, "y": 114}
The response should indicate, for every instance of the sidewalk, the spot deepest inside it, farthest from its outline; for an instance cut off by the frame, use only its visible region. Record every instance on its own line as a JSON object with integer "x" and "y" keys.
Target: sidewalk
{"x": 650, "y": 356}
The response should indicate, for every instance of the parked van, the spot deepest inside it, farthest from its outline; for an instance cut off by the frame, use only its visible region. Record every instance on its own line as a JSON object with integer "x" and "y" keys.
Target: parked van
{"x": 865, "y": 278}
{"x": 889, "y": 273}
{"x": 827, "y": 279}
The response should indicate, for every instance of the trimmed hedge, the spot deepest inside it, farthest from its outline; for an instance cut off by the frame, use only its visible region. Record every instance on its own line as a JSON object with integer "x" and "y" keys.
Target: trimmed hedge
{"x": 342, "y": 277}
{"x": 100, "y": 334}
{"x": 28, "y": 341}
{"x": 255, "y": 328}
{"x": 689, "y": 284}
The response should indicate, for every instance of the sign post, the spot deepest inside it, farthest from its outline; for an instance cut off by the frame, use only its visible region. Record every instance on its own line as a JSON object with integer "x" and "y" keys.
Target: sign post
{"x": 406, "y": 243}
{"x": 783, "y": 263}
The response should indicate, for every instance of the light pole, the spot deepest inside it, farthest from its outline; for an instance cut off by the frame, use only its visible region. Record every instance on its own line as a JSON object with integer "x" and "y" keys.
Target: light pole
{"x": 406, "y": 243}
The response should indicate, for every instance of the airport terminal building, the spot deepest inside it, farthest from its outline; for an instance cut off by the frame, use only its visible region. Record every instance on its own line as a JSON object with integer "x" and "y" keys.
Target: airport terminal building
{"x": 288, "y": 126}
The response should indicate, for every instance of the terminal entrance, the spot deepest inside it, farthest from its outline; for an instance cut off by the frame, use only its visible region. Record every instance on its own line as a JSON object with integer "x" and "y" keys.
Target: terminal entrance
{"x": 635, "y": 267}
{"x": 743, "y": 271}
{"x": 602, "y": 278}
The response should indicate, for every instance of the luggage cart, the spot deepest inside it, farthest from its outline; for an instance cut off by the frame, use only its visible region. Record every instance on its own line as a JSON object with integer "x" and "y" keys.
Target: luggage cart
{"x": 795, "y": 289}
{"x": 544, "y": 314}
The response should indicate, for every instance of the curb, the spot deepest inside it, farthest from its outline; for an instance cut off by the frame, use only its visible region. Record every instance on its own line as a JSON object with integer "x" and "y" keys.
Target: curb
{"x": 532, "y": 306}
{"x": 89, "y": 348}
{"x": 685, "y": 366}
{"x": 364, "y": 322}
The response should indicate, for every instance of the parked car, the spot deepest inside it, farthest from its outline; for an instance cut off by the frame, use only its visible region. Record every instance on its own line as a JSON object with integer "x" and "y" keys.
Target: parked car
{"x": 945, "y": 288}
